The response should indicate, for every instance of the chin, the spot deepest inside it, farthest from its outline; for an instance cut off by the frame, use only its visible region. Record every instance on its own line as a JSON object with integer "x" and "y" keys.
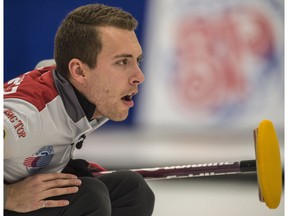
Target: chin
{"x": 119, "y": 117}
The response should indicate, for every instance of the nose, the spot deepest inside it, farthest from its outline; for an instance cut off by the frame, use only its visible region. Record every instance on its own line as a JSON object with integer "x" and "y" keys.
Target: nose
{"x": 138, "y": 77}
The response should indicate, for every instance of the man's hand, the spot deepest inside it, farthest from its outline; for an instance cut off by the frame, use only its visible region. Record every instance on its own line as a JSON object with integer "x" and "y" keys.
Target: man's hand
{"x": 33, "y": 193}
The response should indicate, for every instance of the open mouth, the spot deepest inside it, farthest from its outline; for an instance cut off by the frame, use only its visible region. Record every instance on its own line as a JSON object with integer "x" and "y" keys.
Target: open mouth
{"x": 127, "y": 98}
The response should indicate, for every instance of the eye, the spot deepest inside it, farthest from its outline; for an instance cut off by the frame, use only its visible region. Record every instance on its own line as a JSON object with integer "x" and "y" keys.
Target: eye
{"x": 123, "y": 62}
{"x": 139, "y": 61}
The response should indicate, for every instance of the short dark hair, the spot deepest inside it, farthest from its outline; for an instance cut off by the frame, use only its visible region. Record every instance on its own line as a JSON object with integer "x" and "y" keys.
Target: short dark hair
{"x": 78, "y": 37}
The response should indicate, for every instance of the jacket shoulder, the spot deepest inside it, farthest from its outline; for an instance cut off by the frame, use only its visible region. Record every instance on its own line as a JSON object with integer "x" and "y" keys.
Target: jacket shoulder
{"x": 36, "y": 87}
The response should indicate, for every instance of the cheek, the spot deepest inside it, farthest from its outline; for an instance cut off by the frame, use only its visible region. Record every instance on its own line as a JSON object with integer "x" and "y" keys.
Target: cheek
{"x": 93, "y": 92}
{"x": 100, "y": 94}
{"x": 102, "y": 90}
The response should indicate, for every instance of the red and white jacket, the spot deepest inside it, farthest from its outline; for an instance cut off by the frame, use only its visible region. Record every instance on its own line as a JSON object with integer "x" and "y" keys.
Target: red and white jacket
{"x": 43, "y": 121}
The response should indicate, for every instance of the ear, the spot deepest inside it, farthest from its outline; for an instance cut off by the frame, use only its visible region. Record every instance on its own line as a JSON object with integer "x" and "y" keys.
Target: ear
{"x": 76, "y": 68}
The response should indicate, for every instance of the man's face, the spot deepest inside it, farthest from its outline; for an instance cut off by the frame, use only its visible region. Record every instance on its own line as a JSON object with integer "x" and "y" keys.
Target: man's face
{"x": 115, "y": 79}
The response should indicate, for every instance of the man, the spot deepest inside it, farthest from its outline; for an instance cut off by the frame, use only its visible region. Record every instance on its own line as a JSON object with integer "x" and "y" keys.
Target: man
{"x": 49, "y": 111}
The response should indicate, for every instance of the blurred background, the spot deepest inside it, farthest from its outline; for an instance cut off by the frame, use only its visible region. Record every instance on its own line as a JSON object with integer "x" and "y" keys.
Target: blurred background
{"x": 214, "y": 69}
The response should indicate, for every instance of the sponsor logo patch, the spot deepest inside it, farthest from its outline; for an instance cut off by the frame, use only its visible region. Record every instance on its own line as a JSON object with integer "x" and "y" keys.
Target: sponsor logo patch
{"x": 39, "y": 160}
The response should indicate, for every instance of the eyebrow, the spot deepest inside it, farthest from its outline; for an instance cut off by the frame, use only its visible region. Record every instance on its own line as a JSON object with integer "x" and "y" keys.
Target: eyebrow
{"x": 127, "y": 56}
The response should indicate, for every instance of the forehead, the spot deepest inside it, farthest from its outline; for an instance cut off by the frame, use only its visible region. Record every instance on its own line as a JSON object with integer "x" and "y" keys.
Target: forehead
{"x": 116, "y": 41}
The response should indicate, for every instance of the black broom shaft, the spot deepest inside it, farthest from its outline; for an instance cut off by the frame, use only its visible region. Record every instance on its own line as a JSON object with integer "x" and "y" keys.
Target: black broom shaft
{"x": 195, "y": 170}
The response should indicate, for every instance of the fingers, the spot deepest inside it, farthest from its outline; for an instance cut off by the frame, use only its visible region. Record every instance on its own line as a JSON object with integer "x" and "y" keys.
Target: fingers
{"x": 53, "y": 176}
{"x": 58, "y": 192}
{"x": 61, "y": 183}
{"x": 57, "y": 184}
{"x": 53, "y": 203}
